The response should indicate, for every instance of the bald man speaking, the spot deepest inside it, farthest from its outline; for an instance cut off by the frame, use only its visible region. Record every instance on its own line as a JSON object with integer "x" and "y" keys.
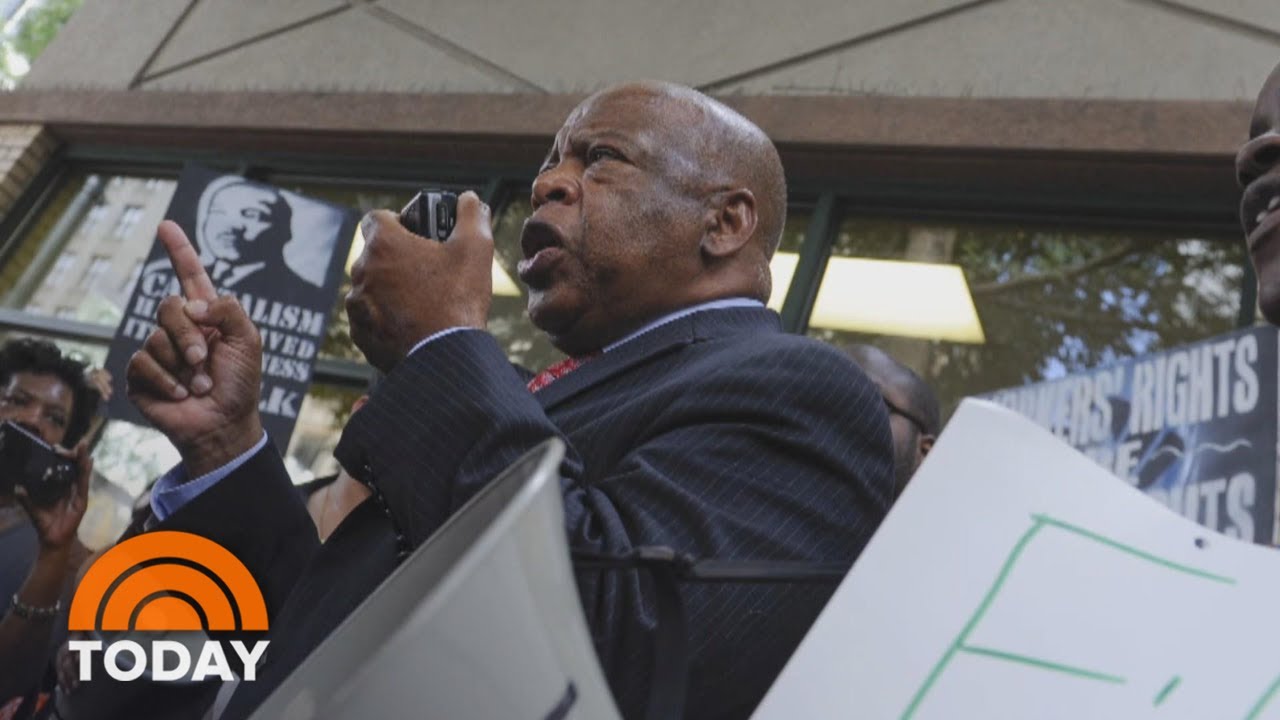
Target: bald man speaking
{"x": 691, "y": 419}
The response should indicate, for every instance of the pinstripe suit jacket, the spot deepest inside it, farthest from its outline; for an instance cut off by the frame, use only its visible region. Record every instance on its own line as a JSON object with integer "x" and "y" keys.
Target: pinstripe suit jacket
{"x": 716, "y": 434}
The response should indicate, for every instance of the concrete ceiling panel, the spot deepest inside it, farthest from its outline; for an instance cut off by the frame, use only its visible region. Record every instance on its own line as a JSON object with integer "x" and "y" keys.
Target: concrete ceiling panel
{"x": 1264, "y": 14}
{"x": 1043, "y": 48}
{"x": 216, "y": 24}
{"x": 89, "y": 51}
{"x": 348, "y": 51}
{"x": 580, "y": 45}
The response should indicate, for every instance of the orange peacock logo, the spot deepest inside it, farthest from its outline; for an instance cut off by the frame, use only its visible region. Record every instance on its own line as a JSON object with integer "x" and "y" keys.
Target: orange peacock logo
{"x": 168, "y": 581}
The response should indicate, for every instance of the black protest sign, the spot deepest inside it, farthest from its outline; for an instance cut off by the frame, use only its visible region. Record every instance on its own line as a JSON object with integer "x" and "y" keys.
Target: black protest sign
{"x": 1194, "y": 427}
{"x": 279, "y": 253}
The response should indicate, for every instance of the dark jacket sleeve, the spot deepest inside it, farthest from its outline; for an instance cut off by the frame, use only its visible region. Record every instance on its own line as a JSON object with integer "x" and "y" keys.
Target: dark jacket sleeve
{"x": 781, "y": 454}
{"x": 258, "y": 515}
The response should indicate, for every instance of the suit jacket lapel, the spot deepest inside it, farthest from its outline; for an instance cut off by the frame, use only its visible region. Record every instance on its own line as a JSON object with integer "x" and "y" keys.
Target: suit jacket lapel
{"x": 699, "y": 326}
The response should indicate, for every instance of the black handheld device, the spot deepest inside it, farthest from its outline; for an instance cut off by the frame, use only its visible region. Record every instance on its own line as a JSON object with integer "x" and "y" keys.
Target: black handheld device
{"x": 29, "y": 462}
{"x": 431, "y": 214}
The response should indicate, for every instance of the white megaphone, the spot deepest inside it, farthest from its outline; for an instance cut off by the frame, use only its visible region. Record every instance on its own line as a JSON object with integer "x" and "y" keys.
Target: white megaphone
{"x": 483, "y": 621}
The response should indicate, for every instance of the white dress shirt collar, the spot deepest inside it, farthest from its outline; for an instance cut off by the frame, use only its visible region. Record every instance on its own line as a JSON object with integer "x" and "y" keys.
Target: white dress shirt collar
{"x": 712, "y": 305}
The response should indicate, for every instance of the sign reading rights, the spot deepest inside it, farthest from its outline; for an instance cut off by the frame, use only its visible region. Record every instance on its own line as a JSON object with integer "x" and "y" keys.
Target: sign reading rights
{"x": 160, "y": 583}
{"x": 1195, "y": 427}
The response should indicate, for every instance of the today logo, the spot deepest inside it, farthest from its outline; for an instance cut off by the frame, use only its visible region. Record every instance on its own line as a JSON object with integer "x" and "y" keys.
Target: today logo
{"x": 167, "y": 583}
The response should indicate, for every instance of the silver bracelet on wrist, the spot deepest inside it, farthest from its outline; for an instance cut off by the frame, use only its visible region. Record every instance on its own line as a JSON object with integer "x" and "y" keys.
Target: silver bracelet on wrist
{"x": 27, "y": 612}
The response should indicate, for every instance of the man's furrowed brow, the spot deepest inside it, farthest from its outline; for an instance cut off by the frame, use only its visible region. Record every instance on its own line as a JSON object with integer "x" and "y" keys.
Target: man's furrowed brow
{"x": 634, "y": 145}
{"x": 1258, "y": 126}
{"x": 554, "y": 153}
{"x": 549, "y": 159}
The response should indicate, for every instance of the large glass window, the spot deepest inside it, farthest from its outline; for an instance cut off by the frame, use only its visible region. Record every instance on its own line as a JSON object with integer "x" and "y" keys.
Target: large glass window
{"x": 129, "y": 218}
{"x": 787, "y": 256}
{"x": 61, "y": 268}
{"x": 1049, "y": 300}
{"x": 40, "y": 273}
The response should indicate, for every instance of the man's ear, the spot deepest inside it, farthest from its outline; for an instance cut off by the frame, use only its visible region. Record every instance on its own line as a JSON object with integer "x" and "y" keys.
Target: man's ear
{"x": 926, "y": 444}
{"x": 731, "y": 221}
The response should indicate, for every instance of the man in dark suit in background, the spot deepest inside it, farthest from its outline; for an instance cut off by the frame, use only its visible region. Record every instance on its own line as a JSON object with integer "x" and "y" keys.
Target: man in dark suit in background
{"x": 1258, "y": 172}
{"x": 914, "y": 418}
{"x": 691, "y": 419}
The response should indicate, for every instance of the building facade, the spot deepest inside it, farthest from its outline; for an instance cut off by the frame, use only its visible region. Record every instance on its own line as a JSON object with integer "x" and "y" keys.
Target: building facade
{"x": 1070, "y": 161}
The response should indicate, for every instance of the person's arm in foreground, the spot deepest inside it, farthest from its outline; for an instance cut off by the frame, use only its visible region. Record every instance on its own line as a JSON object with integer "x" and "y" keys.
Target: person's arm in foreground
{"x": 25, "y": 631}
{"x": 197, "y": 379}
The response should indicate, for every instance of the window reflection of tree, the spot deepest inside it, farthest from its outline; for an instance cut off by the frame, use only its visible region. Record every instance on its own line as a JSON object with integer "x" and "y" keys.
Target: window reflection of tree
{"x": 1055, "y": 301}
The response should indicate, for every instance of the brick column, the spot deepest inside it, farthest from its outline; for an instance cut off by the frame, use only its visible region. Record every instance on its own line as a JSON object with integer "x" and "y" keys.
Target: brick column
{"x": 24, "y": 150}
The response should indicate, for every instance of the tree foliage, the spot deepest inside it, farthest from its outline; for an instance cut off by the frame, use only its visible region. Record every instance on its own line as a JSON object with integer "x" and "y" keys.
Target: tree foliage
{"x": 34, "y": 33}
{"x": 1057, "y": 300}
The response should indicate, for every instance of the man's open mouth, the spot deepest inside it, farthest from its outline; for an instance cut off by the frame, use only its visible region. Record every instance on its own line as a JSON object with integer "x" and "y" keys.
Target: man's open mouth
{"x": 542, "y": 247}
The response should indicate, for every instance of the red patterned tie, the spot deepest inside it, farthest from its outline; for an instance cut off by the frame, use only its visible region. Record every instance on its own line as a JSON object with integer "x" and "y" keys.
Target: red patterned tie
{"x": 557, "y": 370}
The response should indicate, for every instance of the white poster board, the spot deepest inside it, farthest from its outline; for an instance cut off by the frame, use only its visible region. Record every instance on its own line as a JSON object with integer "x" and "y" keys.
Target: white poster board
{"x": 1016, "y": 579}
{"x": 482, "y": 621}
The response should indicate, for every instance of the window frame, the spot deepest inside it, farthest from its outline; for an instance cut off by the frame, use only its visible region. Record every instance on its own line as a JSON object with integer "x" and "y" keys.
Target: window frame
{"x": 834, "y": 202}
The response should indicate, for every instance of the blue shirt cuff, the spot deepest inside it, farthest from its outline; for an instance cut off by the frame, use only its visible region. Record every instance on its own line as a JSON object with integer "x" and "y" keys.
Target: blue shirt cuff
{"x": 172, "y": 491}
{"x": 436, "y": 336}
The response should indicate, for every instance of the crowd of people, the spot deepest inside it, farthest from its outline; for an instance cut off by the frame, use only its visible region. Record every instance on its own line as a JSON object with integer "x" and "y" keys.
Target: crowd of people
{"x": 691, "y": 420}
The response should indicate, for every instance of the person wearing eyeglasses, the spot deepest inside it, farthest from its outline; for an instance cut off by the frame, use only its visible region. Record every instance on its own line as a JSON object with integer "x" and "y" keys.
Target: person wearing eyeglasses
{"x": 914, "y": 418}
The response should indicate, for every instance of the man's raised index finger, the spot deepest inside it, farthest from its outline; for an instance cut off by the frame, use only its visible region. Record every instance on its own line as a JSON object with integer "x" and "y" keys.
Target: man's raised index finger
{"x": 195, "y": 282}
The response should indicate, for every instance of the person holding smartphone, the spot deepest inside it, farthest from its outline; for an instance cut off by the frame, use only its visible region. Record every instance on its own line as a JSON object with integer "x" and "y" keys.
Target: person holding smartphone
{"x": 53, "y": 398}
